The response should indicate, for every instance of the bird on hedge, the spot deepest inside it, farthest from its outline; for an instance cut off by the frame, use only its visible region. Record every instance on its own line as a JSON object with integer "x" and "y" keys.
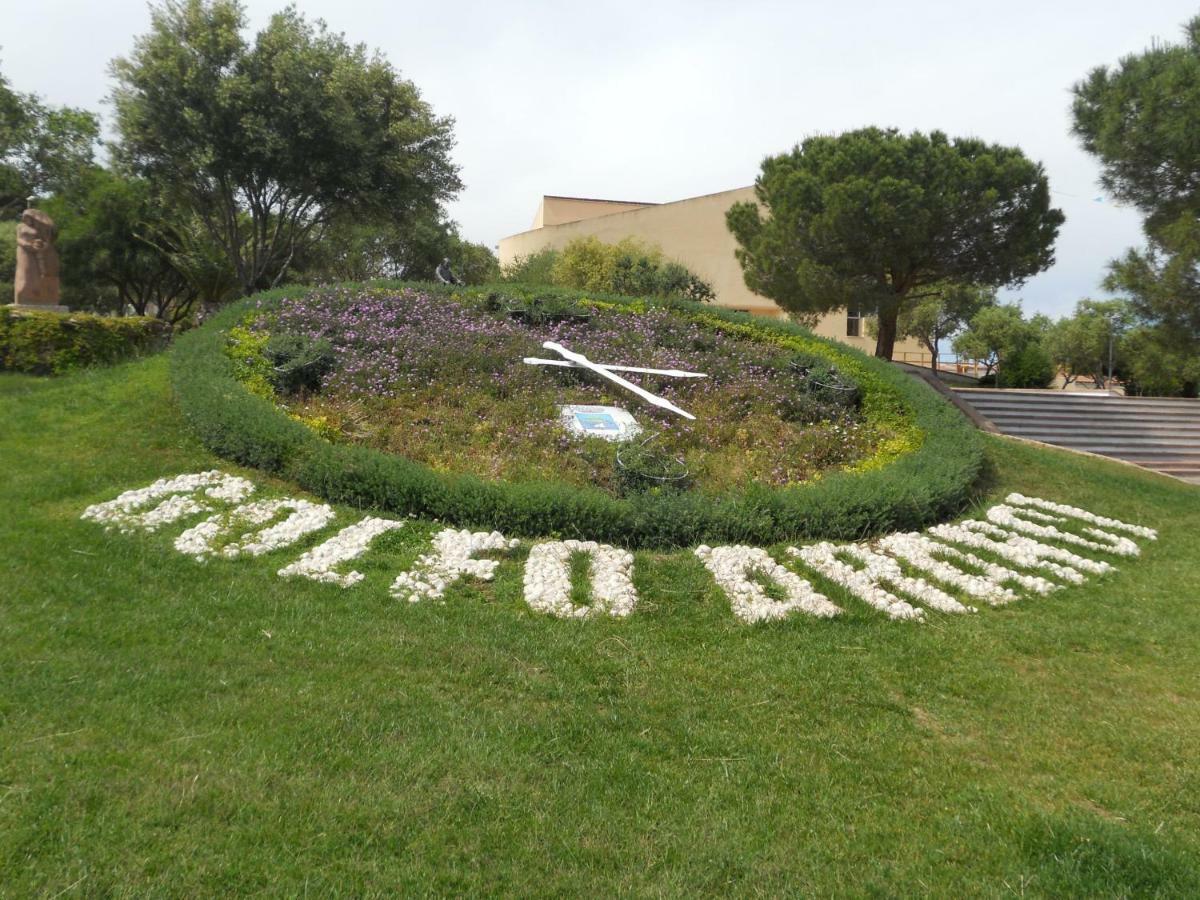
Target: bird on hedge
{"x": 443, "y": 273}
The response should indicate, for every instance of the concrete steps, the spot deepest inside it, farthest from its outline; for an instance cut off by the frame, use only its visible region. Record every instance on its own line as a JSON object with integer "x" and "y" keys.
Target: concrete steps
{"x": 1159, "y": 434}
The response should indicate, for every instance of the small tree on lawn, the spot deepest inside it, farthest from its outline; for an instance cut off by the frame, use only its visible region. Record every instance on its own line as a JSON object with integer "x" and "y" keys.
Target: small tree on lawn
{"x": 269, "y": 143}
{"x": 945, "y": 312}
{"x": 1079, "y": 344}
{"x": 876, "y": 220}
{"x": 996, "y": 335}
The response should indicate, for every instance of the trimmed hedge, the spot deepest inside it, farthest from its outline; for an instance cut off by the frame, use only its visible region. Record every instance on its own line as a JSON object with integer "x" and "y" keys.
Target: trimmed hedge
{"x": 52, "y": 343}
{"x": 909, "y": 489}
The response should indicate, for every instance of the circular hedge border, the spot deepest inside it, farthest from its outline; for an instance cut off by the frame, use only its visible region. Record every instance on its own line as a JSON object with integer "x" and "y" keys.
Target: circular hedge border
{"x": 917, "y": 486}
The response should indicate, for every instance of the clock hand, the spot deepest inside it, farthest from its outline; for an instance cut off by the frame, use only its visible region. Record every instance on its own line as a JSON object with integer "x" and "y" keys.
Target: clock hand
{"x": 615, "y": 379}
{"x": 670, "y": 373}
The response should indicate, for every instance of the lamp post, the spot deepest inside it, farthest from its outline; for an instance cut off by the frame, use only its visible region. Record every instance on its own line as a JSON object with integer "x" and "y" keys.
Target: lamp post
{"x": 1108, "y": 385}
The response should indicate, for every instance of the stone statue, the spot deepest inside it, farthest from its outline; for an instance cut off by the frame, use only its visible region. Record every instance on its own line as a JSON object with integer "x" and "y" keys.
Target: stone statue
{"x": 444, "y": 274}
{"x": 37, "y": 262}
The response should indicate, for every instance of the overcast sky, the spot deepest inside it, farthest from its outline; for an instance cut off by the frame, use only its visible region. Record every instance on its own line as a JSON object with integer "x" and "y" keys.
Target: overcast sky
{"x": 658, "y": 101}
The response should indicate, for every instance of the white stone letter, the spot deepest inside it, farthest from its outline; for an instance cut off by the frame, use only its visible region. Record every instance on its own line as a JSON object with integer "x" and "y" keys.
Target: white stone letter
{"x": 1082, "y": 514}
{"x": 451, "y": 558}
{"x": 200, "y": 541}
{"x": 1018, "y": 518}
{"x": 1021, "y": 550}
{"x": 862, "y": 583}
{"x": 929, "y": 556}
{"x": 733, "y": 568}
{"x": 548, "y": 579}
{"x": 177, "y": 496}
{"x": 351, "y": 542}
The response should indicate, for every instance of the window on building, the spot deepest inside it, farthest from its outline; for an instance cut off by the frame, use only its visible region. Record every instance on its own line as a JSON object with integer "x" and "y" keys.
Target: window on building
{"x": 853, "y": 321}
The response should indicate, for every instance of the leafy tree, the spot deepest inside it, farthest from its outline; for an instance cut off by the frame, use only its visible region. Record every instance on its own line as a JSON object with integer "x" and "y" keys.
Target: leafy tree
{"x": 124, "y": 248}
{"x": 424, "y": 247}
{"x": 1138, "y": 118}
{"x": 943, "y": 313}
{"x": 56, "y": 148}
{"x": 997, "y": 334}
{"x": 1029, "y": 366}
{"x": 12, "y": 114}
{"x": 43, "y": 149}
{"x": 1079, "y": 344}
{"x": 358, "y": 250}
{"x": 350, "y": 250}
{"x": 270, "y": 143}
{"x": 8, "y": 260}
{"x": 13, "y": 121}
{"x": 1163, "y": 283}
{"x": 474, "y": 263}
{"x": 876, "y": 219}
{"x": 1153, "y": 364}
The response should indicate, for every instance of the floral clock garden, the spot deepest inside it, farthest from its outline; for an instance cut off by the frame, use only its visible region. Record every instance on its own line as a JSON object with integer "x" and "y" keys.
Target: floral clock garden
{"x": 352, "y": 585}
{"x": 448, "y": 381}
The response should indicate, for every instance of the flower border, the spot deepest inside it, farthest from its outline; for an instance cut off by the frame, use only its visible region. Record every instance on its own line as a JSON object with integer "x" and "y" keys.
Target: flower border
{"x": 925, "y": 477}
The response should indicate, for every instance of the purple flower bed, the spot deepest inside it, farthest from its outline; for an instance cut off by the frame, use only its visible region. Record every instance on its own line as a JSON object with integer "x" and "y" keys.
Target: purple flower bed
{"x": 441, "y": 381}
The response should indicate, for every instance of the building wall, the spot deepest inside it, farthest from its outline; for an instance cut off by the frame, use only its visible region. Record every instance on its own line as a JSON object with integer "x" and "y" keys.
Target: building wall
{"x": 560, "y": 210}
{"x": 691, "y": 231}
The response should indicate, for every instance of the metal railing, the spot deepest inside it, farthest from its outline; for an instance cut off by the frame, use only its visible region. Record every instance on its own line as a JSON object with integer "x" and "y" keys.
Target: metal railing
{"x": 947, "y": 362}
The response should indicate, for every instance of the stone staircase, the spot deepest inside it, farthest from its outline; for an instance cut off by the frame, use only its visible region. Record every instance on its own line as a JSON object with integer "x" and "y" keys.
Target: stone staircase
{"x": 1159, "y": 434}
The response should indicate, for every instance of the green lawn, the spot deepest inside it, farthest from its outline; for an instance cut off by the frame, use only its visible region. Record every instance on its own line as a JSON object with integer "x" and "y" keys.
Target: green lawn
{"x": 172, "y": 728}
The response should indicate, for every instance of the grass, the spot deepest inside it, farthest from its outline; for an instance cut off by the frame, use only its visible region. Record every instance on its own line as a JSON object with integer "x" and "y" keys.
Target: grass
{"x": 172, "y": 728}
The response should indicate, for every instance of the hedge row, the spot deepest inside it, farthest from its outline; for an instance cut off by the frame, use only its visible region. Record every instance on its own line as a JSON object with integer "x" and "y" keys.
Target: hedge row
{"x": 50, "y": 343}
{"x": 924, "y": 485}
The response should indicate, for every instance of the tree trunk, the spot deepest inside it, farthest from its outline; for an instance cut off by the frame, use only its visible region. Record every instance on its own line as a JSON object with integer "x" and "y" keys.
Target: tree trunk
{"x": 933, "y": 362}
{"x": 885, "y": 344}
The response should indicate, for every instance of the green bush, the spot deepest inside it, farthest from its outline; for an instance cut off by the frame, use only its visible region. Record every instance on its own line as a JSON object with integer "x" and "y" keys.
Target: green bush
{"x": 927, "y": 479}
{"x": 533, "y": 268}
{"x": 8, "y": 260}
{"x": 676, "y": 280}
{"x": 628, "y": 268}
{"x": 825, "y": 384}
{"x": 49, "y": 343}
{"x": 1028, "y": 367}
{"x": 298, "y": 362}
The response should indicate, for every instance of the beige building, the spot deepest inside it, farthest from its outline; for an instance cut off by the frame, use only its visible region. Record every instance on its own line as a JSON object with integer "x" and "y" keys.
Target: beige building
{"x": 691, "y": 231}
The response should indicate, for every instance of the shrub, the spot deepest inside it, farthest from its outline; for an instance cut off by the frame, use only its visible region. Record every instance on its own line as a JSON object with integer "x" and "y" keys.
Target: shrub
{"x": 248, "y": 350}
{"x": 674, "y": 280}
{"x": 1029, "y": 366}
{"x": 298, "y": 362}
{"x": 533, "y": 268}
{"x": 49, "y": 343}
{"x": 925, "y": 474}
{"x": 589, "y": 264}
{"x": 825, "y": 383}
{"x": 8, "y": 260}
{"x": 629, "y": 268}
